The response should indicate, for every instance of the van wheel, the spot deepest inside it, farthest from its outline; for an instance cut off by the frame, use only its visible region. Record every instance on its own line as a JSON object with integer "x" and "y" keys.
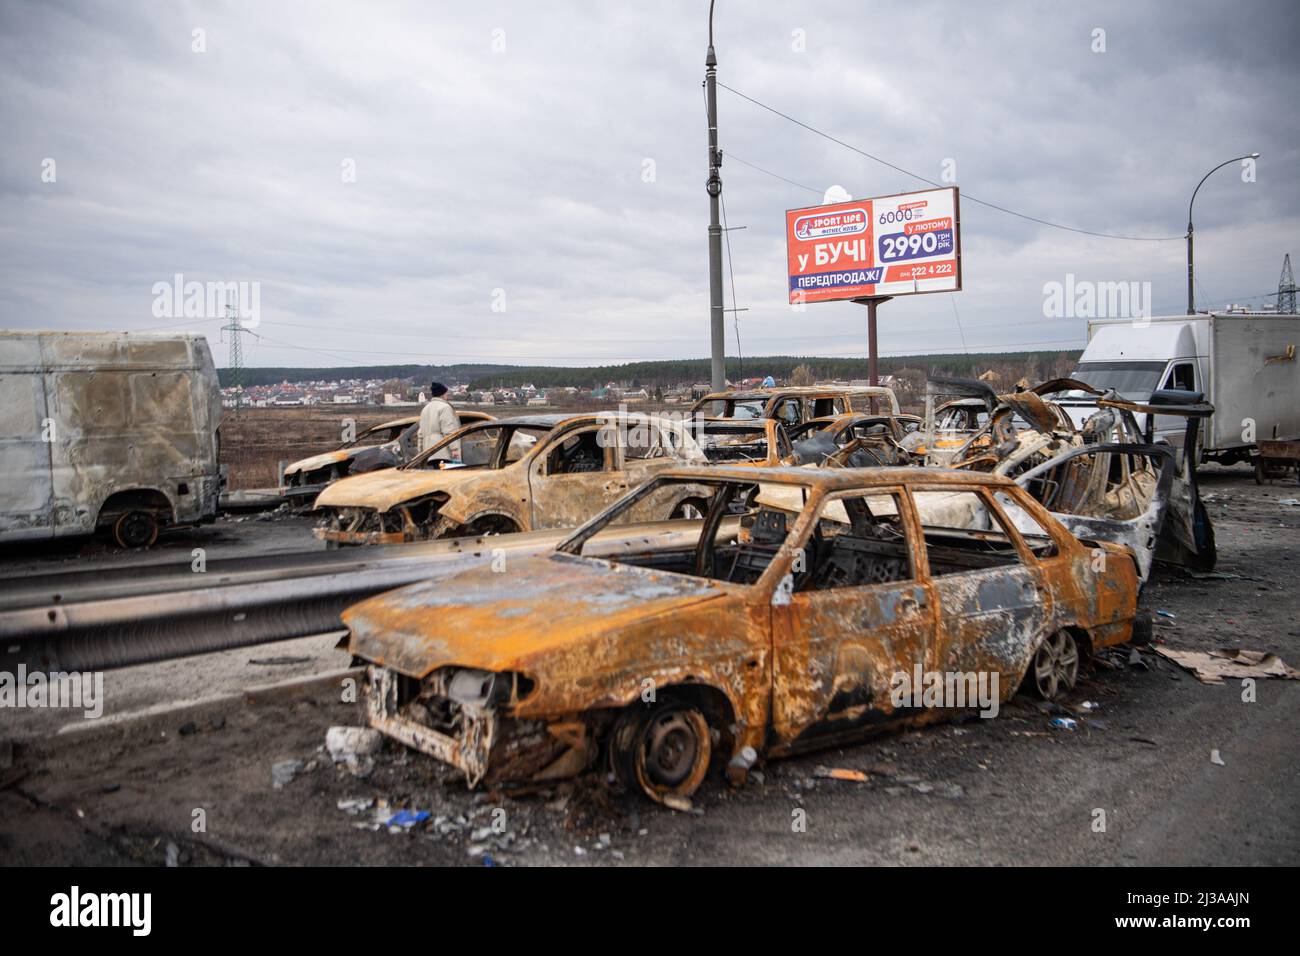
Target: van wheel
{"x": 136, "y": 529}
{"x": 663, "y": 751}
{"x": 1055, "y": 666}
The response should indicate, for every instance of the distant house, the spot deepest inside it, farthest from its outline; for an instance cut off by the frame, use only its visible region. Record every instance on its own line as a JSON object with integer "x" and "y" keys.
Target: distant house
{"x": 635, "y": 395}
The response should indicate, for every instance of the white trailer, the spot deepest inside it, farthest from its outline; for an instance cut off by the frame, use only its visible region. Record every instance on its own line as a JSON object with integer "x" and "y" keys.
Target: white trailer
{"x": 1245, "y": 364}
{"x": 109, "y": 431}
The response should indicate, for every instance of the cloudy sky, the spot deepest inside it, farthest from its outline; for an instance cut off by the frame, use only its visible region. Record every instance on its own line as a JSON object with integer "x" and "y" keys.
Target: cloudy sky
{"x": 388, "y": 173}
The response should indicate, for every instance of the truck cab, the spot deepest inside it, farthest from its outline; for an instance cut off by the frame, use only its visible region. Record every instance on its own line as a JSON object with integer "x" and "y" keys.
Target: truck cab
{"x": 1135, "y": 360}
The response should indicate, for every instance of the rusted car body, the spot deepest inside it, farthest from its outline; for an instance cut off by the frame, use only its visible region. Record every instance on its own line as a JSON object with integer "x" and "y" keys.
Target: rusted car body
{"x": 107, "y": 431}
{"x": 515, "y": 474}
{"x": 767, "y": 633}
{"x": 762, "y": 441}
{"x": 1106, "y": 479}
{"x": 385, "y": 445}
{"x": 796, "y": 403}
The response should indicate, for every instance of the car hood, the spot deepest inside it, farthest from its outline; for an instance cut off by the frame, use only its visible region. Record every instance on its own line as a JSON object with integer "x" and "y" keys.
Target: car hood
{"x": 478, "y": 617}
{"x": 383, "y": 489}
{"x": 320, "y": 461}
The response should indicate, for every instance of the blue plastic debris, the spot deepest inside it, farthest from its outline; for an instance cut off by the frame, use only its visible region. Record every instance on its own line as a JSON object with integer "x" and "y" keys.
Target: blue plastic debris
{"x": 407, "y": 818}
{"x": 1167, "y": 614}
{"x": 1065, "y": 723}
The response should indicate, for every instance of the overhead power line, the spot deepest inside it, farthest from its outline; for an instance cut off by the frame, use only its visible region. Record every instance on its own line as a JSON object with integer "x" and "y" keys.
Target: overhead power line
{"x": 907, "y": 172}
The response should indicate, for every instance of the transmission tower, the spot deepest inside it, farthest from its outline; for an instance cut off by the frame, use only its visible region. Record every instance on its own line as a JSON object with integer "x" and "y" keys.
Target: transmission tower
{"x": 1286, "y": 289}
{"x": 236, "y": 352}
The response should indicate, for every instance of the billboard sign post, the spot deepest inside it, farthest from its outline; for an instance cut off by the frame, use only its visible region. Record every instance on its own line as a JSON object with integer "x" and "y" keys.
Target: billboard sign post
{"x": 872, "y": 250}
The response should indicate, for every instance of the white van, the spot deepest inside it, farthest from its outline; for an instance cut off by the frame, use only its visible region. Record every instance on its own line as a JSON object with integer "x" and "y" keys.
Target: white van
{"x": 106, "y": 431}
{"x": 1245, "y": 364}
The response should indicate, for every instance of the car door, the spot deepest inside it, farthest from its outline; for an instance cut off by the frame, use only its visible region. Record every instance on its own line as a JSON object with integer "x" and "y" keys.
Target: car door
{"x": 789, "y": 411}
{"x": 574, "y": 476}
{"x": 993, "y": 595}
{"x": 864, "y": 615}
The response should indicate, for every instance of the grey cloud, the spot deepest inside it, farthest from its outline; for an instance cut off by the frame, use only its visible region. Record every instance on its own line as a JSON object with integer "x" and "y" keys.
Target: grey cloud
{"x": 523, "y": 170}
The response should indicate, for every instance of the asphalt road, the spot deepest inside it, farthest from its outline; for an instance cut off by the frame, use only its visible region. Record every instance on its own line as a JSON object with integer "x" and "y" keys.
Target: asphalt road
{"x": 1011, "y": 790}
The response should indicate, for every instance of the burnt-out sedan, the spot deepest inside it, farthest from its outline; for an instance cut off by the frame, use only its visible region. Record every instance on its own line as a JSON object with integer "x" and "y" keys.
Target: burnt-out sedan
{"x": 531, "y": 473}
{"x": 385, "y": 445}
{"x": 808, "y": 607}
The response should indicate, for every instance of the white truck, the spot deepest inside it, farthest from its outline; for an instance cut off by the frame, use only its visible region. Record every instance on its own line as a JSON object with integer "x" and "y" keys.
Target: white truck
{"x": 110, "y": 431}
{"x": 1245, "y": 365}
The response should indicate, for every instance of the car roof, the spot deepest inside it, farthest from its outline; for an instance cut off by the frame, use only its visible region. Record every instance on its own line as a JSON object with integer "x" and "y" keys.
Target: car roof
{"x": 737, "y": 424}
{"x": 395, "y": 422}
{"x": 839, "y": 479}
{"x": 755, "y": 393}
{"x": 559, "y": 418}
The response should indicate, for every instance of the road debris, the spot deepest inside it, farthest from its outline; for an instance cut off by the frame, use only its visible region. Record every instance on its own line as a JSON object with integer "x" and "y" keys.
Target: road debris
{"x": 1233, "y": 663}
{"x": 841, "y": 773}
{"x": 283, "y": 772}
{"x": 1216, "y": 759}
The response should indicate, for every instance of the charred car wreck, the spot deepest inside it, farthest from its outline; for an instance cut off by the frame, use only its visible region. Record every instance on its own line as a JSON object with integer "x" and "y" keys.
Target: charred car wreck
{"x": 777, "y": 629}
{"x": 385, "y": 445}
{"x": 516, "y": 474}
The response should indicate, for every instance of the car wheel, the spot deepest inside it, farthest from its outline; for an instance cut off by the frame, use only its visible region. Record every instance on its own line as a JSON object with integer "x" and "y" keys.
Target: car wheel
{"x": 136, "y": 529}
{"x": 663, "y": 751}
{"x": 490, "y": 525}
{"x": 691, "y": 508}
{"x": 1055, "y": 666}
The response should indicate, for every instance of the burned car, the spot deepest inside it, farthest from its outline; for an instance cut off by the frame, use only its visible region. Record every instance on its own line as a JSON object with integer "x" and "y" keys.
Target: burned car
{"x": 765, "y": 633}
{"x": 856, "y": 440}
{"x": 515, "y": 474}
{"x": 385, "y": 445}
{"x": 761, "y": 441}
{"x": 795, "y": 403}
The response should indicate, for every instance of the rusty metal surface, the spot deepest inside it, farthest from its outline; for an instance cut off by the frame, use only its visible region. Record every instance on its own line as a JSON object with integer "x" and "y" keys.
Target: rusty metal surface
{"x": 852, "y": 398}
{"x": 778, "y": 669}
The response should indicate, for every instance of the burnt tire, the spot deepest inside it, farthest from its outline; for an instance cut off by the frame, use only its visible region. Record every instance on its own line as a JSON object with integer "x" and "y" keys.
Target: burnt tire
{"x": 662, "y": 751}
{"x": 1054, "y": 668}
{"x": 135, "y": 529}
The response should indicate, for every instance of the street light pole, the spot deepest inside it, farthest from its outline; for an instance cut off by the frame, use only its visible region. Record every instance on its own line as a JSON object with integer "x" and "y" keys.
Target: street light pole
{"x": 717, "y": 331}
{"x": 1191, "y": 292}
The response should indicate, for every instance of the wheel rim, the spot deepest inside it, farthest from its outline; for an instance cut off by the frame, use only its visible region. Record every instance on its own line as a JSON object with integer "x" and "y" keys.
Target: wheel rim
{"x": 670, "y": 749}
{"x": 1056, "y": 665}
{"x": 135, "y": 530}
{"x": 672, "y": 753}
{"x": 688, "y": 510}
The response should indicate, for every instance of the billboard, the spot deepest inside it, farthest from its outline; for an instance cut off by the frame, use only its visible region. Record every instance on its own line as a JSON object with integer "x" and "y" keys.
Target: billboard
{"x": 891, "y": 245}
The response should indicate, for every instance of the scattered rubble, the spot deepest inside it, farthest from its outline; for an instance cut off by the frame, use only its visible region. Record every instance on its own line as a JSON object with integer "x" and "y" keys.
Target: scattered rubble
{"x": 283, "y": 772}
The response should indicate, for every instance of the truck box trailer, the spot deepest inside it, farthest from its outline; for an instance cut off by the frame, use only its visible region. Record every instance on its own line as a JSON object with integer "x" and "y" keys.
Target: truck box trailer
{"x": 1245, "y": 364}
{"x": 109, "y": 431}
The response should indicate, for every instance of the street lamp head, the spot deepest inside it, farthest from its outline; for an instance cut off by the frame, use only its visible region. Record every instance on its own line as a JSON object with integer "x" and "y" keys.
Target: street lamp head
{"x": 1254, "y": 155}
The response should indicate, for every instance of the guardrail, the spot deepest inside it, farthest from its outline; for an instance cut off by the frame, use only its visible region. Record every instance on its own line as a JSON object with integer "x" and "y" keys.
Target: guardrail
{"x": 102, "y": 620}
